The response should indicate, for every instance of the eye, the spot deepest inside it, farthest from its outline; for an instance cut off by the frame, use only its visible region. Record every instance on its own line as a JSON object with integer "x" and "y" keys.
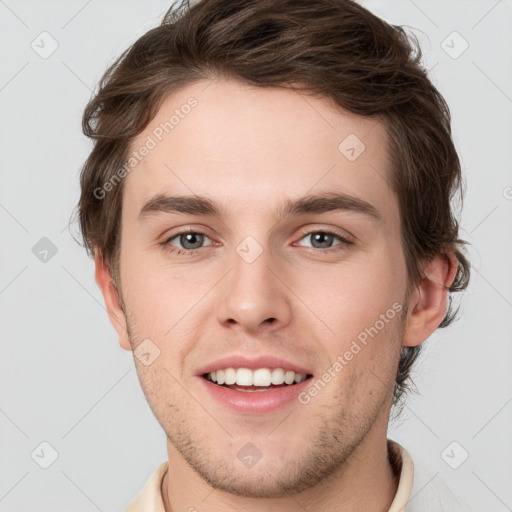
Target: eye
{"x": 323, "y": 239}
{"x": 190, "y": 242}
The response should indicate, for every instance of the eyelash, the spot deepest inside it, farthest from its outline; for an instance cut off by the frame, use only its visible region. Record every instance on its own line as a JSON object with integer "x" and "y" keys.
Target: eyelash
{"x": 344, "y": 241}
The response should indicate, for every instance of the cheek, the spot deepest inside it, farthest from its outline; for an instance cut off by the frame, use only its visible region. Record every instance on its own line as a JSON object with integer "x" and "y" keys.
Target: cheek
{"x": 361, "y": 304}
{"x": 163, "y": 300}
{"x": 145, "y": 293}
{"x": 350, "y": 297}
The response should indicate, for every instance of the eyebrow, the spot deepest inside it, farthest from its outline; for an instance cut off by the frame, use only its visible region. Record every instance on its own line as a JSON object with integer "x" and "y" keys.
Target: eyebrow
{"x": 310, "y": 204}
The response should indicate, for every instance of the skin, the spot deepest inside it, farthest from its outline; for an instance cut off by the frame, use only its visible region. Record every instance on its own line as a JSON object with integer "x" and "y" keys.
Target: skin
{"x": 250, "y": 149}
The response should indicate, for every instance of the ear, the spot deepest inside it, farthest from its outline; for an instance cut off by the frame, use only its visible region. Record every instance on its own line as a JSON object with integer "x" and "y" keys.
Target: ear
{"x": 427, "y": 305}
{"x": 111, "y": 296}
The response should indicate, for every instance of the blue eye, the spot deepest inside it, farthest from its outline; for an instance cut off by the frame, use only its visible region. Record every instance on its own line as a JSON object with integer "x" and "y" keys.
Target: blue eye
{"x": 186, "y": 239}
{"x": 324, "y": 239}
{"x": 192, "y": 241}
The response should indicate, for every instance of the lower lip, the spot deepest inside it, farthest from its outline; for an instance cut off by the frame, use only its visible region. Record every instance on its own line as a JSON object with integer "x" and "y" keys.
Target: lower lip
{"x": 254, "y": 402}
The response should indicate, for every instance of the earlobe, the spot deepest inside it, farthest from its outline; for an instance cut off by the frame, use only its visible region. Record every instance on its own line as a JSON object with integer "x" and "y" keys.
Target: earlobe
{"x": 427, "y": 305}
{"x": 111, "y": 296}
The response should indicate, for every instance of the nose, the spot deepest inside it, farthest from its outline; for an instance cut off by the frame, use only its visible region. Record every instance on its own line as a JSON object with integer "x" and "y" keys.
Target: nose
{"x": 254, "y": 296}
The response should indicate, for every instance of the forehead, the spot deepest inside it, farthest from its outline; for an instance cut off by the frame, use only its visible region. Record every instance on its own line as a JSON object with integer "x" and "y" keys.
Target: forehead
{"x": 215, "y": 137}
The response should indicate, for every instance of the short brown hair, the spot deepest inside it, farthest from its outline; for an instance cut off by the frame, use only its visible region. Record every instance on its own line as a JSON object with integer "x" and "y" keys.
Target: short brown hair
{"x": 335, "y": 49}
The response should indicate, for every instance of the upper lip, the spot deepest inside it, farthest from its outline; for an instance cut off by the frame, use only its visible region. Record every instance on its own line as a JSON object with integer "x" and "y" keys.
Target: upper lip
{"x": 253, "y": 363}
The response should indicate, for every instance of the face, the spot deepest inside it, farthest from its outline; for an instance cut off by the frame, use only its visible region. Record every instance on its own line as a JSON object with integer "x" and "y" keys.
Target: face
{"x": 306, "y": 284}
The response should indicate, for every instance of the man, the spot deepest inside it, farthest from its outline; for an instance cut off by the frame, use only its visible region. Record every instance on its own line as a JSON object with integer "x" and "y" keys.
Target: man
{"x": 268, "y": 205}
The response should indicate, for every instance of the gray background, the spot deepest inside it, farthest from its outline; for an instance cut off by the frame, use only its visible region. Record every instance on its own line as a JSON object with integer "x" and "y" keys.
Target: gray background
{"x": 63, "y": 378}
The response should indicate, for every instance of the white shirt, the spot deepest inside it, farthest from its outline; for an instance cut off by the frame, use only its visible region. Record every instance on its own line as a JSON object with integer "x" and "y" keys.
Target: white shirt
{"x": 411, "y": 495}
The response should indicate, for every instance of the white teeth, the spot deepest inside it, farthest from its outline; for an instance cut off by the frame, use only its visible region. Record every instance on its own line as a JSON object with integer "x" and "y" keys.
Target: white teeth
{"x": 243, "y": 377}
{"x": 230, "y": 376}
{"x": 289, "y": 377}
{"x": 262, "y": 377}
{"x": 259, "y": 377}
{"x": 220, "y": 377}
{"x": 299, "y": 377}
{"x": 277, "y": 376}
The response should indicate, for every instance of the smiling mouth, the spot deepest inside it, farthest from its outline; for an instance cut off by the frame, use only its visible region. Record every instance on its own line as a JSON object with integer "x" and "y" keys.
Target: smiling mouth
{"x": 252, "y": 388}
